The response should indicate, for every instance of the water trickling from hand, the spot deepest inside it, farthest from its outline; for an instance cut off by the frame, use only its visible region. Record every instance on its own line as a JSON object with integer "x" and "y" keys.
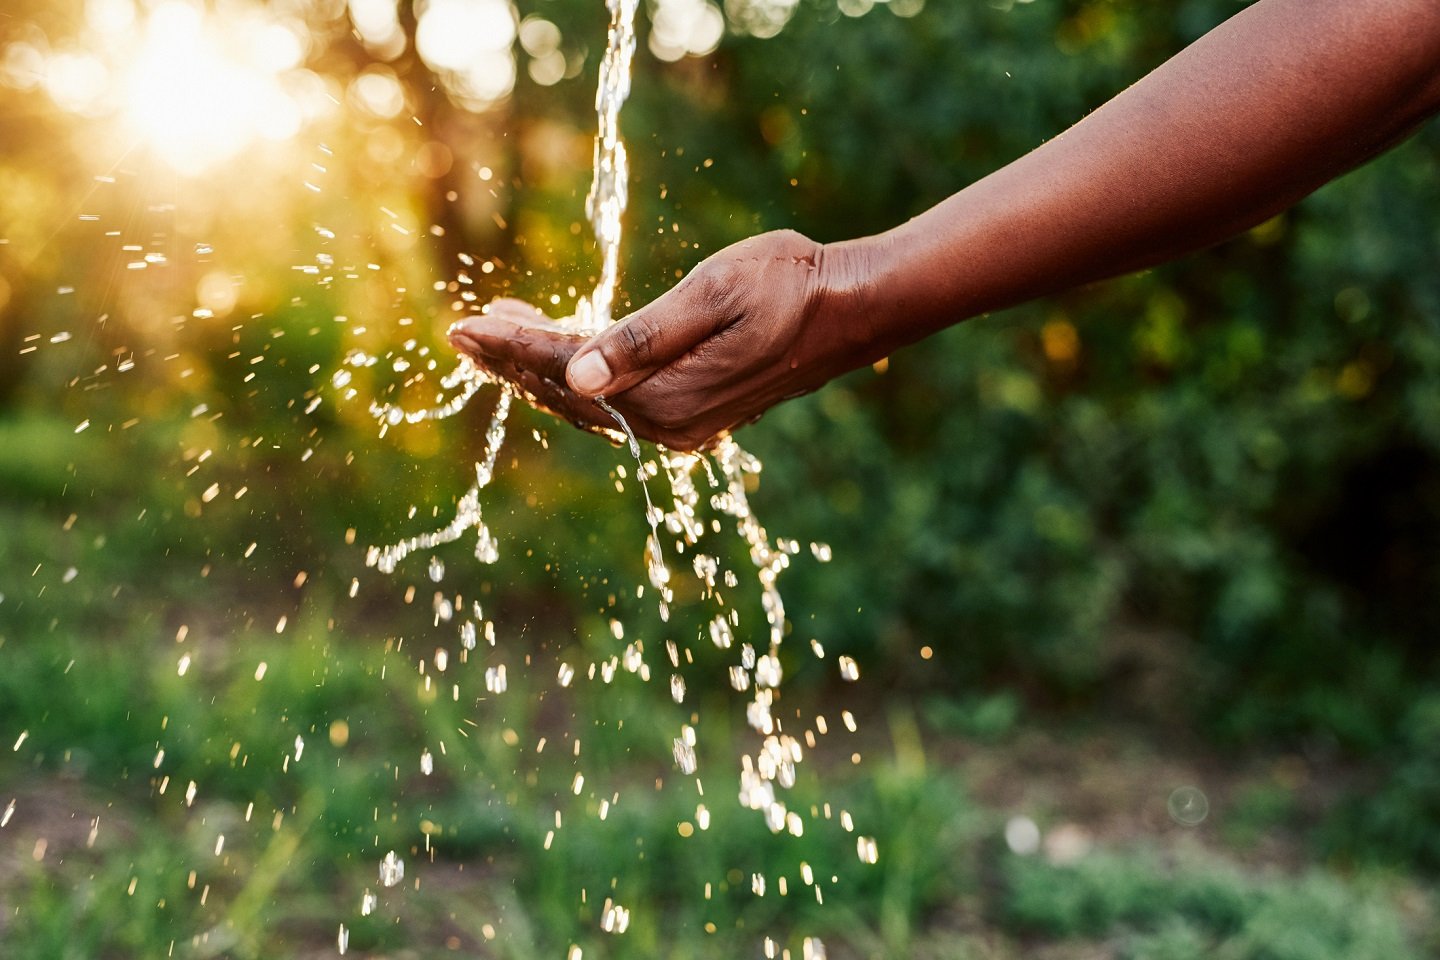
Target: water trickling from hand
{"x": 726, "y": 470}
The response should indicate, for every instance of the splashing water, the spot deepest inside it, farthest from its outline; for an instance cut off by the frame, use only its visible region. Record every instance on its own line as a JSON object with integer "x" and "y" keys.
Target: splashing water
{"x": 654, "y": 556}
{"x": 609, "y": 192}
{"x": 605, "y": 206}
{"x": 727, "y": 469}
{"x": 392, "y": 870}
{"x": 468, "y": 515}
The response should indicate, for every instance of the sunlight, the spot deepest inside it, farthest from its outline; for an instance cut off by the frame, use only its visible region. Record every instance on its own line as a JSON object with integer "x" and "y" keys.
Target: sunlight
{"x": 203, "y": 86}
{"x": 467, "y": 42}
{"x": 194, "y": 85}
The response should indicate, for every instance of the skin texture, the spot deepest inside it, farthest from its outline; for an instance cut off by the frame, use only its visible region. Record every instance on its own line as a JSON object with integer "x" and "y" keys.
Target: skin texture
{"x": 1270, "y": 105}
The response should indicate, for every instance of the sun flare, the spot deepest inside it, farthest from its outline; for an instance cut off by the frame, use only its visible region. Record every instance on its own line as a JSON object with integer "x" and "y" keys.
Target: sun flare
{"x": 199, "y": 89}
{"x": 193, "y": 84}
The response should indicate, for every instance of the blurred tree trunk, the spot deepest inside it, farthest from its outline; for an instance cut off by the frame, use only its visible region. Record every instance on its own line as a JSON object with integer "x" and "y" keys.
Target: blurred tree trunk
{"x": 465, "y": 230}
{"x": 14, "y": 299}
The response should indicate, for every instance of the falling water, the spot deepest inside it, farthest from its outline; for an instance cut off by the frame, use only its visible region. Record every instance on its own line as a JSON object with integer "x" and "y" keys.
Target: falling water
{"x": 726, "y": 470}
{"x": 609, "y": 192}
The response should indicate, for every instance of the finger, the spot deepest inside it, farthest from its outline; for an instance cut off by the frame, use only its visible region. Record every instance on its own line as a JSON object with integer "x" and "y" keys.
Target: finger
{"x": 559, "y": 400}
{"x": 512, "y": 338}
{"x": 515, "y": 341}
{"x": 556, "y": 399}
{"x": 653, "y": 336}
{"x": 534, "y": 362}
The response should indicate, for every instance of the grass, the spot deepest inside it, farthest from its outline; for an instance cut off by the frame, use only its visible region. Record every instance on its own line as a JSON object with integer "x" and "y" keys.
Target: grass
{"x": 310, "y": 772}
{"x": 302, "y": 838}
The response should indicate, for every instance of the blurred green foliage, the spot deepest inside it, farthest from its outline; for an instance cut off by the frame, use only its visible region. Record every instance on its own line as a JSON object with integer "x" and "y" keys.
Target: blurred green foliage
{"x": 1207, "y": 495}
{"x": 1194, "y": 910}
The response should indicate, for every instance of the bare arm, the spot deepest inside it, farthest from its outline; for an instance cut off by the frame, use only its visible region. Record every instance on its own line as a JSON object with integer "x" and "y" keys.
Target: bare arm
{"x": 1280, "y": 99}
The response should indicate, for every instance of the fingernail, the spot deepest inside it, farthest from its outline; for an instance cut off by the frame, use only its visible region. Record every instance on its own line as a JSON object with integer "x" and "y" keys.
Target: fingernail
{"x": 463, "y": 326}
{"x": 460, "y": 335}
{"x": 589, "y": 373}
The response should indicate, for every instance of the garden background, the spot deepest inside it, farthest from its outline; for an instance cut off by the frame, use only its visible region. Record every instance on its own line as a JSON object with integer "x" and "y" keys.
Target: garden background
{"x": 1168, "y": 538}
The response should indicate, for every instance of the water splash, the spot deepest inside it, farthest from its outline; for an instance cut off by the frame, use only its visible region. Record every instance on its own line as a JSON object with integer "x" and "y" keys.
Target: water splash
{"x": 610, "y": 190}
{"x": 392, "y": 870}
{"x": 605, "y": 206}
{"x": 468, "y": 514}
{"x": 655, "y": 566}
{"x": 727, "y": 470}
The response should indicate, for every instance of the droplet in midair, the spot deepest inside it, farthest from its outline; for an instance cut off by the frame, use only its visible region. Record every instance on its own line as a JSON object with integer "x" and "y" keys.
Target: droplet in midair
{"x": 392, "y": 870}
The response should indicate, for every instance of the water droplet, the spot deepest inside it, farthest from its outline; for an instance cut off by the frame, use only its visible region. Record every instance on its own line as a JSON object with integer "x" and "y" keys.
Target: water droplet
{"x": 614, "y": 918}
{"x": 767, "y": 671}
{"x": 392, "y": 870}
{"x": 867, "y": 850}
{"x": 1189, "y": 806}
{"x": 1022, "y": 836}
{"x": 685, "y": 756}
{"x": 720, "y": 633}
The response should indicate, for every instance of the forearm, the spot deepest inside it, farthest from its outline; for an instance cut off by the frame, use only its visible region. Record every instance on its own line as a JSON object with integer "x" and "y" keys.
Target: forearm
{"x": 1267, "y": 107}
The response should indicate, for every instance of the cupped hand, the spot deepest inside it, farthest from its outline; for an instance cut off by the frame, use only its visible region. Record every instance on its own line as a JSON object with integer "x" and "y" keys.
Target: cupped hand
{"x": 761, "y": 321}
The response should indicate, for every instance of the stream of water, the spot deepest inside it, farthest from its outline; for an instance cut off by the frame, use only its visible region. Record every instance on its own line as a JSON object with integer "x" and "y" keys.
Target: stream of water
{"x": 727, "y": 471}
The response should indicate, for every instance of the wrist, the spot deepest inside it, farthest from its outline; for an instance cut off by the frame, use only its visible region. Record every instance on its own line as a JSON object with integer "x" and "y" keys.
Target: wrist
{"x": 853, "y": 304}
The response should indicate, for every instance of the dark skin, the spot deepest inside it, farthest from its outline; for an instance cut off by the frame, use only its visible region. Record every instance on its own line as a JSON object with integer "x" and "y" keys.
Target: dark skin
{"x": 1280, "y": 99}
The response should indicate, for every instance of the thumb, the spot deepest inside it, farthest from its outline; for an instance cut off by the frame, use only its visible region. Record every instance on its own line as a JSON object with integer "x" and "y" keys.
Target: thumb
{"x": 652, "y": 337}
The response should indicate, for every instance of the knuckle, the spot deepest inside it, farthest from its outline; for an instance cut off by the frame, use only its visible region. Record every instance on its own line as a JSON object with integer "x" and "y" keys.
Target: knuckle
{"x": 556, "y": 359}
{"x": 635, "y": 343}
{"x": 715, "y": 285}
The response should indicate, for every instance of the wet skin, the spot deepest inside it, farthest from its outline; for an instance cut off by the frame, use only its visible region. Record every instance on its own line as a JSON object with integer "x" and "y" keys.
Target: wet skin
{"x": 1270, "y": 105}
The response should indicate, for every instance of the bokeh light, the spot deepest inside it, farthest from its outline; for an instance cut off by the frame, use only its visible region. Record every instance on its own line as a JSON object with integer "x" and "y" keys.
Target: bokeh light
{"x": 194, "y": 86}
{"x": 541, "y": 40}
{"x": 760, "y": 18}
{"x": 378, "y": 24}
{"x": 681, "y": 27}
{"x": 467, "y": 43}
{"x": 202, "y": 87}
{"x": 377, "y": 92}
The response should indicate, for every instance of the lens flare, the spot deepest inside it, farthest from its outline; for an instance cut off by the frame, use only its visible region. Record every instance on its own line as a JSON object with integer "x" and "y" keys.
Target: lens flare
{"x": 200, "y": 88}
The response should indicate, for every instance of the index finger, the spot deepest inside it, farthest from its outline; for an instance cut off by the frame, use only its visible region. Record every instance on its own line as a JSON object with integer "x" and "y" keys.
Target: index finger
{"x": 524, "y": 347}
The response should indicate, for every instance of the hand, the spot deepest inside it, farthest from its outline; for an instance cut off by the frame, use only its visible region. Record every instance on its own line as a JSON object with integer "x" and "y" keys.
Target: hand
{"x": 759, "y": 322}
